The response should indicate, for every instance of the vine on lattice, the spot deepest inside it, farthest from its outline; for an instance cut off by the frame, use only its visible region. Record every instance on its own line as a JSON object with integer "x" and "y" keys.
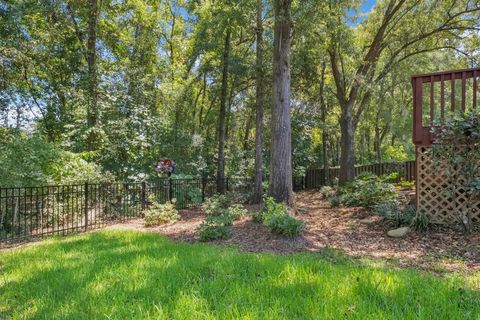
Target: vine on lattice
{"x": 456, "y": 150}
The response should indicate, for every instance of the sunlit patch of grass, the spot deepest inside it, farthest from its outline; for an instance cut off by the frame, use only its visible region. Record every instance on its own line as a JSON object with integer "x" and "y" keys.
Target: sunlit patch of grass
{"x": 125, "y": 274}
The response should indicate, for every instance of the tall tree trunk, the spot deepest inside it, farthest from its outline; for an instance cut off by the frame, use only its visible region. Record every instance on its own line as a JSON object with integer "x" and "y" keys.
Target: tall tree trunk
{"x": 248, "y": 127}
{"x": 281, "y": 188}
{"x": 377, "y": 145}
{"x": 92, "y": 111}
{"x": 347, "y": 155}
{"x": 257, "y": 189}
{"x": 222, "y": 116}
{"x": 323, "y": 116}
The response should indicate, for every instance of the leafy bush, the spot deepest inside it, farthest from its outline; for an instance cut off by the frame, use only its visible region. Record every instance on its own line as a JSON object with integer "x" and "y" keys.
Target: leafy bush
{"x": 275, "y": 217}
{"x": 257, "y": 216}
{"x": 217, "y": 205}
{"x": 327, "y": 192}
{"x": 392, "y": 212}
{"x": 366, "y": 190}
{"x": 158, "y": 214}
{"x": 215, "y": 227}
{"x": 272, "y": 208}
{"x": 420, "y": 222}
{"x": 237, "y": 211}
{"x": 406, "y": 184}
{"x": 284, "y": 225}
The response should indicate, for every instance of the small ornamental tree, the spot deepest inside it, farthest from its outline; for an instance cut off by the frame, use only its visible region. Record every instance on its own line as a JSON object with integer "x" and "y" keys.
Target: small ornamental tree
{"x": 456, "y": 151}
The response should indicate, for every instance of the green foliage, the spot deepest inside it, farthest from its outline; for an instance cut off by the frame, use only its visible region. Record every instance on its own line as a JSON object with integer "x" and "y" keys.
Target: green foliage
{"x": 158, "y": 214}
{"x": 237, "y": 211}
{"x": 366, "y": 191}
{"x": 395, "y": 153}
{"x": 284, "y": 225}
{"x": 31, "y": 161}
{"x": 275, "y": 216}
{"x": 392, "y": 212}
{"x": 216, "y": 227}
{"x": 420, "y": 222}
{"x": 224, "y": 219}
{"x": 217, "y": 204}
{"x": 456, "y": 153}
{"x": 272, "y": 208}
{"x": 327, "y": 192}
{"x": 257, "y": 216}
{"x": 406, "y": 184}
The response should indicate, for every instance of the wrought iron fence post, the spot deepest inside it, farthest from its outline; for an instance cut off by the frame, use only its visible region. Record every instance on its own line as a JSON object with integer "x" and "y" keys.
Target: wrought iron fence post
{"x": 170, "y": 190}
{"x": 86, "y": 205}
{"x": 203, "y": 188}
{"x": 144, "y": 192}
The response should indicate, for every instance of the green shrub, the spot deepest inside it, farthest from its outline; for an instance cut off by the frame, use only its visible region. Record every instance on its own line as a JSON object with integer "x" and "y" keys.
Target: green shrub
{"x": 215, "y": 227}
{"x": 257, "y": 216}
{"x": 366, "y": 190}
{"x": 406, "y": 184}
{"x": 217, "y": 204}
{"x": 327, "y": 192}
{"x": 284, "y": 224}
{"x": 237, "y": 211}
{"x": 224, "y": 219}
{"x": 272, "y": 208}
{"x": 158, "y": 214}
{"x": 420, "y": 222}
{"x": 275, "y": 217}
{"x": 213, "y": 232}
{"x": 391, "y": 210}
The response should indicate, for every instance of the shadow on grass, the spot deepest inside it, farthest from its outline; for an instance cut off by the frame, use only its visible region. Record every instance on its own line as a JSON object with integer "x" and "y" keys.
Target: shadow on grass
{"x": 123, "y": 274}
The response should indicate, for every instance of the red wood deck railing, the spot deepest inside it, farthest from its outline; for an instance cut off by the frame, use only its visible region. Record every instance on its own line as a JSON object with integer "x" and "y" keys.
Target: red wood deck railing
{"x": 436, "y": 95}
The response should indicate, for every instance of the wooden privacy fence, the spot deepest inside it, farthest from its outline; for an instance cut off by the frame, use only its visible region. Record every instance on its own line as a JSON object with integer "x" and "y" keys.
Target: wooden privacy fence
{"x": 38, "y": 211}
{"x": 314, "y": 178}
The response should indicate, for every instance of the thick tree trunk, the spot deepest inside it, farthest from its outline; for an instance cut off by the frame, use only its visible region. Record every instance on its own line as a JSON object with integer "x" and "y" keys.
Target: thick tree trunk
{"x": 377, "y": 145}
{"x": 257, "y": 189}
{"x": 246, "y": 136}
{"x": 347, "y": 156}
{"x": 323, "y": 115}
{"x": 222, "y": 117}
{"x": 92, "y": 111}
{"x": 281, "y": 150}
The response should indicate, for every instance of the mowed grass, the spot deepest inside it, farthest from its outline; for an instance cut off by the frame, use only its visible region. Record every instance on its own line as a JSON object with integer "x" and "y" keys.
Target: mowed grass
{"x": 132, "y": 275}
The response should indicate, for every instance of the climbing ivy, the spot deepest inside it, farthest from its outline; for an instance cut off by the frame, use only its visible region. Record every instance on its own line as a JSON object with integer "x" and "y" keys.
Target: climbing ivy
{"x": 456, "y": 152}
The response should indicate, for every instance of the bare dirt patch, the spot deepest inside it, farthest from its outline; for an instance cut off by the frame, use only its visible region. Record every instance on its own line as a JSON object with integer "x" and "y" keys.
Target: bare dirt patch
{"x": 440, "y": 249}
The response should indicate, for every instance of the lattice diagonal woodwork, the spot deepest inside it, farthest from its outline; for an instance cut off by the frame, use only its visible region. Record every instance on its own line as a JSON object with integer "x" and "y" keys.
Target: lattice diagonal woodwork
{"x": 432, "y": 197}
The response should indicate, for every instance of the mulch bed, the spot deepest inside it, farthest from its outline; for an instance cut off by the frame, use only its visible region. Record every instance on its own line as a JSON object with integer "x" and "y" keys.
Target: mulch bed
{"x": 440, "y": 249}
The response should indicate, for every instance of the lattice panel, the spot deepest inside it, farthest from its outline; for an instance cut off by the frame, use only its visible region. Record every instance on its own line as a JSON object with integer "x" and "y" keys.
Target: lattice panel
{"x": 432, "y": 198}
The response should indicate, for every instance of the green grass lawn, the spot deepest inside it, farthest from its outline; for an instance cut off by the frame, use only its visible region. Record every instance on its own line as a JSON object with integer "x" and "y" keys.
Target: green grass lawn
{"x": 125, "y": 274}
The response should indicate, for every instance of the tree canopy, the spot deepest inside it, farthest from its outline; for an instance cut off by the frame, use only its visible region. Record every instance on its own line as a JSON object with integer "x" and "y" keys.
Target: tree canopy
{"x": 119, "y": 84}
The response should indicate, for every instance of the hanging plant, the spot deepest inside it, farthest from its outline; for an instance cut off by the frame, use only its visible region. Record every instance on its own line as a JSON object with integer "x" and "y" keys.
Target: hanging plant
{"x": 165, "y": 167}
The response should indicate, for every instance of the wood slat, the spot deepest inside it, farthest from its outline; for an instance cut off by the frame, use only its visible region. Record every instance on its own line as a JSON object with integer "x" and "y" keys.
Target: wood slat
{"x": 464, "y": 89}
{"x": 442, "y": 97}
{"x": 432, "y": 110}
{"x": 475, "y": 88}
{"x": 452, "y": 93}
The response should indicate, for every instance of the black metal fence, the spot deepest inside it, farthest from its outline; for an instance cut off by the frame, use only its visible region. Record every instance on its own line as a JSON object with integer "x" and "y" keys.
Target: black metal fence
{"x": 38, "y": 211}
{"x": 29, "y": 212}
